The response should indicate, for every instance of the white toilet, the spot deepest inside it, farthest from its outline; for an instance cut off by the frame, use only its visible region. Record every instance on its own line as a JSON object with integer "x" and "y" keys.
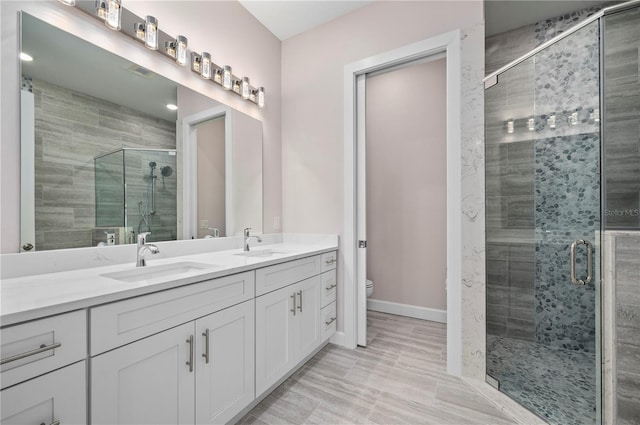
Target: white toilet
{"x": 369, "y": 288}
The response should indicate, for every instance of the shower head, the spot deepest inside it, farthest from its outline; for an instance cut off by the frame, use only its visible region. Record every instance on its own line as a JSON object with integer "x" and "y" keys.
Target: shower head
{"x": 152, "y": 164}
{"x": 166, "y": 171}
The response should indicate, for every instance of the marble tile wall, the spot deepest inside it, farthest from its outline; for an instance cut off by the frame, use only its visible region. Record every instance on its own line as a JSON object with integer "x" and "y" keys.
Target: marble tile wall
{"x": 71, "y": 129}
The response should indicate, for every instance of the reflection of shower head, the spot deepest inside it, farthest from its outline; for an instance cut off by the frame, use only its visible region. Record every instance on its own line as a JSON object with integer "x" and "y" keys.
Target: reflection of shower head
{"x": 166, "y": 171}
{"x": 152, "y": 164}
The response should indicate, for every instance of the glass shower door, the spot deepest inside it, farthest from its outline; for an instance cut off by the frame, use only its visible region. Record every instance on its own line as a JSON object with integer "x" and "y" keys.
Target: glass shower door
{"x": 543, "y": 221}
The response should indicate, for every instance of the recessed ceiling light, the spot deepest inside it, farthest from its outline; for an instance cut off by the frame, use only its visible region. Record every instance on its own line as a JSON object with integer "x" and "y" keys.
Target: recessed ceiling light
{"x": 25, "y": 57}
{"x": 172, "y": 107}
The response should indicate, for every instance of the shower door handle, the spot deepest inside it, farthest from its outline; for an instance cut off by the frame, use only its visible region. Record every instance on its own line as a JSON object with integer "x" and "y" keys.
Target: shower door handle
{"x": 574, "y": 246}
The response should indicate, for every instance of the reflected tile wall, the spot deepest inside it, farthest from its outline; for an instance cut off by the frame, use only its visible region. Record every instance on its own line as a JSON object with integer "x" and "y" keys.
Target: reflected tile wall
{"x": 70, "y": 129}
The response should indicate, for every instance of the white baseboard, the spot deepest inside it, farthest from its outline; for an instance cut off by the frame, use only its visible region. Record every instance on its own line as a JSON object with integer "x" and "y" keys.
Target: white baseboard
{"x": 423, "y": 313}
{"x": 338, "y": 338}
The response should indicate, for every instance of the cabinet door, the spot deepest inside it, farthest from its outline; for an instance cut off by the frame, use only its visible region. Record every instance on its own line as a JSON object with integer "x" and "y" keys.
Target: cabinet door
{"x": 56, "y": 396}
{"x": 225, "y": 363}
{"x": 146, "y": 382}
{"x": 275, "y": 351}
{"x": 308, "y": 305}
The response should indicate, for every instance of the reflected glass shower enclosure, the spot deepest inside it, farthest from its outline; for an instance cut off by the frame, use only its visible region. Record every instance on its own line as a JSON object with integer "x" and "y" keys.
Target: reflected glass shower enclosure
{"x": 136, "y": 192}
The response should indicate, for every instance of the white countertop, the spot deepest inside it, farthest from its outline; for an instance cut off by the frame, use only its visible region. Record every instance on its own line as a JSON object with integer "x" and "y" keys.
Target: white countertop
{"x": 34, "y": 296}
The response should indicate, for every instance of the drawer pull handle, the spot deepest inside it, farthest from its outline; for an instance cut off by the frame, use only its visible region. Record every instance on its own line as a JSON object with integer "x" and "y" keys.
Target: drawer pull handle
{"x": 333, "y": 319}
{"x": 330, "y": 287}
{"x": 52, "y": 423}
{"x": 330, "y": 261}
{"x": 42, "y": 349}
{"x": 293, "y": 310}
{"x": 205, "y": 334}
{"x": 300, "y": 306}
{"x": 190, "y": 361}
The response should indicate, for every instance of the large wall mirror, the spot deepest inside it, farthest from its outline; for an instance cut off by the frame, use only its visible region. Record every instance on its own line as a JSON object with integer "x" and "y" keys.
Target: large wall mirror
{"x": 104, "y": 157}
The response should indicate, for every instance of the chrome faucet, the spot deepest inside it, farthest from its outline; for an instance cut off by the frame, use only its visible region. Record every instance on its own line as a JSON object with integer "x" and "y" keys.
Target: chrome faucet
{"x": 247, "y": 238}
{"x": 143, "y": 247}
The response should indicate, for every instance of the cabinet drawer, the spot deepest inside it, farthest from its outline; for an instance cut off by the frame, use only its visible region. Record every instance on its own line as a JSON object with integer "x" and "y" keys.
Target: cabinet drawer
{"x": 328, "y": 323}
{"x": 57, "y": 396}
{"x": 119, "y": 323}
{"x": 329, "y": 261}
{"x": 329, "y": 284}
{"x": 280, "y": 275}
{"x": 33, "y": 348}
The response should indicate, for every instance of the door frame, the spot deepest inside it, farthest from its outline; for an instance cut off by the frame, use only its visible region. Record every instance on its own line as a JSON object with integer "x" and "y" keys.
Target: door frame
{"x": 450, "y": 44}
{"x": 190, "y": 168}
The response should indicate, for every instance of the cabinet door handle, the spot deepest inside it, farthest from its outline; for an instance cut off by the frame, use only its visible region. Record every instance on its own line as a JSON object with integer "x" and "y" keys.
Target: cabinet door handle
{"x": 39, "y": 350}
{"x": 52, "y": 423}
{"x": 293, "y": 310}
{"x": 205, "y": 334}
{"x": 329, "y": 261}
{"x": 330, "y": 287}
{"x": 300, "y": 306}
{"x": 190, "y": 361}
{"x": 333, "y": 319}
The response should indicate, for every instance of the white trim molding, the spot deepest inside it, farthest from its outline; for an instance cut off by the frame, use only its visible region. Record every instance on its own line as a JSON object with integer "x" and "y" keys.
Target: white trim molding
{"x": 450, "y": 44}
{"x": 414, "y": 311}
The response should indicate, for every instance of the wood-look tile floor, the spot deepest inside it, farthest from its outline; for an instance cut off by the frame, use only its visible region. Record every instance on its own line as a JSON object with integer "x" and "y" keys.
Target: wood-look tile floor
{"x": 400, "y": 378}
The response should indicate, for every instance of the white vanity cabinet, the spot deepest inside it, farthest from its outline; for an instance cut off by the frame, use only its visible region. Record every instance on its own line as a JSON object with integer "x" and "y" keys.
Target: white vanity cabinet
{"x": 201, "y": 370}
{"x": 44, "y": 371}
{"x": 58, "y": 397}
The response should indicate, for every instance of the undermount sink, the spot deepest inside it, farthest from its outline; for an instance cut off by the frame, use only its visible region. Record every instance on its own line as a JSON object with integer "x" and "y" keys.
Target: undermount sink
{"x": 261, "y": 253}
{"x": 140, "y": 274}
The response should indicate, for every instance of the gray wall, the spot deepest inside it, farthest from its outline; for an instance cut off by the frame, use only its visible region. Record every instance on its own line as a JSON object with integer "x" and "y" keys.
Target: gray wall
{"x": 70, "y": 129}
{"x": 627, "y": 329}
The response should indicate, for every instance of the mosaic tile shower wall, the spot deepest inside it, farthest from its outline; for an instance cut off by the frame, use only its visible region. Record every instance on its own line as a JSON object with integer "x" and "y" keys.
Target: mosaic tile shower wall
{"x": 566, "y": 186}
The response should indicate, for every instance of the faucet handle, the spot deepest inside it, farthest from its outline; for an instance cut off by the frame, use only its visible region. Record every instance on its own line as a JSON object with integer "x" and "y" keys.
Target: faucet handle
{"x": 246, "y": 231}
{"x": 142, "y": 237}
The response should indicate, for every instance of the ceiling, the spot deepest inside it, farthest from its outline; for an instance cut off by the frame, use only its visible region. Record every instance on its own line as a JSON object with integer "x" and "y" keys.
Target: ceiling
{"x": 288, "y": 18}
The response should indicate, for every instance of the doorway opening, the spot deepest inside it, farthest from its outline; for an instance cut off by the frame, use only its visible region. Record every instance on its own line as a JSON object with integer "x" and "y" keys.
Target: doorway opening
{"x": 353, "y": 244}
{"x": 405, "y": 188}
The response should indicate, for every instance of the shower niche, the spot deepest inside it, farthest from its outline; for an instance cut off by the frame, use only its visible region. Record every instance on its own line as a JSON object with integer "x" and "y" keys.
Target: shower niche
{"x": 135, "y": 191}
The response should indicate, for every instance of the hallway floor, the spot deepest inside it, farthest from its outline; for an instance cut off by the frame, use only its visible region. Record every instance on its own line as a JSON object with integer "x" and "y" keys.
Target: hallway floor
{"x": 400, "y": 378}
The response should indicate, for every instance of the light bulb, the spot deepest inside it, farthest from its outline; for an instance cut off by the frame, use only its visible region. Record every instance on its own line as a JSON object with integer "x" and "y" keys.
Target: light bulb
{"x": 114, "y": 13}
{"x": 261, "y": 97}
{"x": 138, "y": 29}
{"x": 244, "y": 88}
{"x": 181, "y": 50}
{"x": 170, "y": 48}
{"x": 226, "y": 78}
{"x": 205, "y": 66}
{"x": 510, "y": 126}
{"x": 151, "y": 33}
{"x": 101, "y": 8}
{"x": 68, "y": 2}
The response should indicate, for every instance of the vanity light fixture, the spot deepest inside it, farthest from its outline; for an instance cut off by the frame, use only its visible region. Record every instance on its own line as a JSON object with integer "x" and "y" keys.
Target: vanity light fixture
{"x": 595, "y": 115}
{"x": 146, "y": 30}
{"x": 170, "y": 48}
{"x": 531, "y": 124}
{"x": 551, "y": 121}
{"x": 138, "y": 28}
{"x": 510, "y": 126}
{"x": 217, "y": 76}
{"x": 226, "y": 78}
{"x": 196, "y": 60}
{"x": 26, "y": 57}
{"x": 68, "y": 2}
{"x": 244, "y": 88}
{"x": 114, "y": 15}
{"x": 205, "y": 66}
{"x": 151, "y": 33}
{"x": 181, "y": 50}
{"x": 172, "y": 107}
{"x": 101, "y": 9}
